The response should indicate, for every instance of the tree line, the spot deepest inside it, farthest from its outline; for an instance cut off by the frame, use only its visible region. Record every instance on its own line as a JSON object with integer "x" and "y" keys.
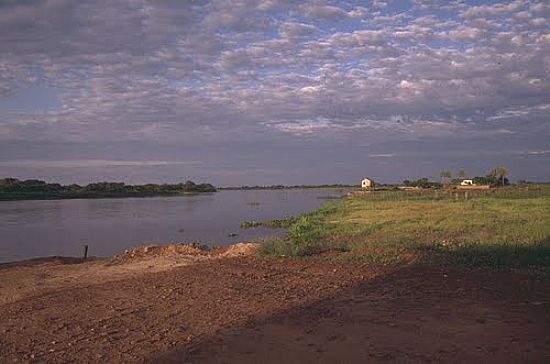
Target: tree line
{"x": 15, "y": 189}
{"x": 284, "y": 187}
{"x": 495, "y": 177}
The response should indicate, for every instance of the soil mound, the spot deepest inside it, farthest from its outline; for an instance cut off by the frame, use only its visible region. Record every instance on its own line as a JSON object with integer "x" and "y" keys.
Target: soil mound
{"x": 148, "y": 251}
{"x": 240, "y": 250}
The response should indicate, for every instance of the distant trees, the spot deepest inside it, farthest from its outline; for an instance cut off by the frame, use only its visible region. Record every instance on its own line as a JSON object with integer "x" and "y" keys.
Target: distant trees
{"x": 495, "y": 177}
{"x": 190, "y": 186}
{"x": 282, "y": 187}
{"x": 422, "y": 183}
{"x": 106, "y": 187}
{"x": 445, "y": 176}
{"x": 31, "y": 185}
{"x": 499, "y": 174}
{"x": 13, "y": 189}
{"x": 483, "y": 180}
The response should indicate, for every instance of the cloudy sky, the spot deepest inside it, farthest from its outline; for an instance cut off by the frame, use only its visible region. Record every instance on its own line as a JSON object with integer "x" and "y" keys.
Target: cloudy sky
{"x": 273, "y": 91}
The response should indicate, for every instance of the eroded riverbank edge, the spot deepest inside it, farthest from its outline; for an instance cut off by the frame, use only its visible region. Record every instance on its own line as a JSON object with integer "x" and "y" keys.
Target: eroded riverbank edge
{"x": 32, "y": 277}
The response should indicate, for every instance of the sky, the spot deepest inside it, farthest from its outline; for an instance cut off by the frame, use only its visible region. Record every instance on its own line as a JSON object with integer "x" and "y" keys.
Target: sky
{"x": 247, "y": 92}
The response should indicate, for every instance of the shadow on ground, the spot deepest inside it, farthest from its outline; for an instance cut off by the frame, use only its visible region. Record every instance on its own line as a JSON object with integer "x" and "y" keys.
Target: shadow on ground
{"x": 248, "y": 309}
{"x": 491, "y": 255}
{"x": 418, "y": 313}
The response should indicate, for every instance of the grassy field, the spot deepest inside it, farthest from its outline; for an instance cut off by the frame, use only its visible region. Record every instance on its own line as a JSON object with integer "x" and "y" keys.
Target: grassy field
{"x": 504, "y": 227}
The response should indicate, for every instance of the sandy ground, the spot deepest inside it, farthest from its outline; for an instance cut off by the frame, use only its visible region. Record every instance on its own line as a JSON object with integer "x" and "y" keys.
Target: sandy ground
{"x": 188, "y": 306}
{"x": 34, "y": 277}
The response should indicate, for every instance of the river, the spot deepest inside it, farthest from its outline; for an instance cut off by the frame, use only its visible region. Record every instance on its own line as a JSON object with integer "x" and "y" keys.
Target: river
{"x": 30, "y": 229}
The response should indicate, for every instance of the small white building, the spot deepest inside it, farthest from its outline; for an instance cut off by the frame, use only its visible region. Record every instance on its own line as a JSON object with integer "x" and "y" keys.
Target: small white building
{"x": 367, "y": 183}
{"x": 467, "y": 182}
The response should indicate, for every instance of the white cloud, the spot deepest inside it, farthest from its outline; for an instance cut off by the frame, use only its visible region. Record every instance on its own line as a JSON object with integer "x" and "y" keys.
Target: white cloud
{"x": 383, "y": 155}
{"x": 292, "y": 29}
{"x": 493, "y": 10}
{"x": 538, "y": 152}
{"x": 323, "y": 11}
{"x": 204, "y": 73}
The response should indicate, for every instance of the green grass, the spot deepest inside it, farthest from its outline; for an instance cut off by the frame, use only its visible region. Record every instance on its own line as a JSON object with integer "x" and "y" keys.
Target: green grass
{"x": 271, "y": 224}
{"x": 506, "y": 227}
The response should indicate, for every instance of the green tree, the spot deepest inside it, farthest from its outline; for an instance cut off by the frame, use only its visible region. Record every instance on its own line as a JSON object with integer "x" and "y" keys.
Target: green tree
{"x": 462, "y": 173}
{"x": 500, "y": 174}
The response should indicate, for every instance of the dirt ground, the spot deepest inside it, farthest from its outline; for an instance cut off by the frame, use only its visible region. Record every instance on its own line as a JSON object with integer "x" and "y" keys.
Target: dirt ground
{"x": 227, "y": 308}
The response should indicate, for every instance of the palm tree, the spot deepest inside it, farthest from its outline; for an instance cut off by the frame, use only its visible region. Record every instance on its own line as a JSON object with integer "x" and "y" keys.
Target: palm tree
{"x": 445, "y": 175}
{"x": 501, "y": 173}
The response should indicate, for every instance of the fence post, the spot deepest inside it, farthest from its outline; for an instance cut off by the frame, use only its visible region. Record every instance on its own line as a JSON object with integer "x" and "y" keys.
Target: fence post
{"x": 84, "y": 251}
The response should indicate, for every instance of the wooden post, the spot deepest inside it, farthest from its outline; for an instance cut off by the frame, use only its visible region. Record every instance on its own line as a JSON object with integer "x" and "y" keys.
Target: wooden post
{"x": 85, "y": 251}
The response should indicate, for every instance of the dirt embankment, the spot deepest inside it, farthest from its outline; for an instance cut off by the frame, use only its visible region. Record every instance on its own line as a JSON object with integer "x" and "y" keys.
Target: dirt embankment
{"x": 30, "y": 278}
{"x": 181, "y": 304}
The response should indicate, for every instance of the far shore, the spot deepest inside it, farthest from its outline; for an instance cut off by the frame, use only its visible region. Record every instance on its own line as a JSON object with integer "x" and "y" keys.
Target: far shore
{"x": 87, "y": 195}
{"x": 32, "y": 189}
{"x": 95, "y": 196}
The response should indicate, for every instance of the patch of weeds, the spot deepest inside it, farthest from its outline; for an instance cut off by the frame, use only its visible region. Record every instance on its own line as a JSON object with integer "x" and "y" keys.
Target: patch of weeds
{"x": 284, "y": 247}
{"x": 305, "y": 235}
{"x": 271, "y": 224}
{"x": 280, "y": 223}
{"x": 250, "y": 224}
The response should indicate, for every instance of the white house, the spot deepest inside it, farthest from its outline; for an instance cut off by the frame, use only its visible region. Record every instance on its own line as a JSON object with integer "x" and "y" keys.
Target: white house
{"x": 367, "y": 183}
{"x": 467, "y": 182}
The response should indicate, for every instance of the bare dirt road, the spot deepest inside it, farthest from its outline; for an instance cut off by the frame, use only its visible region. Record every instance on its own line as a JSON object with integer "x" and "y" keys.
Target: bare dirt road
{"x": 249, "y": 310}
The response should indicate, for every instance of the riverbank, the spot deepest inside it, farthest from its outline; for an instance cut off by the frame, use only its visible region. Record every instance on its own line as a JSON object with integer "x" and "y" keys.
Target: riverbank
{"x": 182, "y": 304}
{"x": 32, "y": 229}
{"x": 371, "y": 278}
{"x": 35, "y": 276}
{"x": 506, "y": 227}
